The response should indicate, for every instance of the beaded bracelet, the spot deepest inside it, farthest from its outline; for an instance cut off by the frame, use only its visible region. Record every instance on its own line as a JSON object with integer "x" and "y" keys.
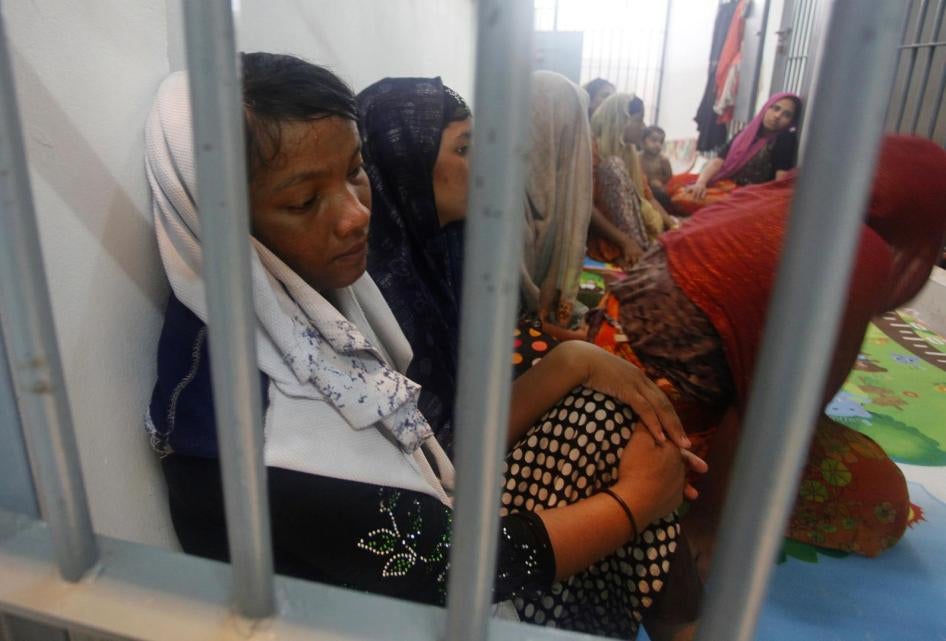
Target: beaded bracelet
{"x": 627, "y": 510}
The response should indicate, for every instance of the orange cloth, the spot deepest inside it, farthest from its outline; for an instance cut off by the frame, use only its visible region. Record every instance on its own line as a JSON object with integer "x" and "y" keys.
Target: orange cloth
{"x": 852, "y": 497}
{"x": 685, "y": 204}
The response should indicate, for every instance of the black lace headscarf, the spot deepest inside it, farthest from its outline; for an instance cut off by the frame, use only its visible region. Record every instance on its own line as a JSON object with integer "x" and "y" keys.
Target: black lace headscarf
{"x": 415, "y": 262}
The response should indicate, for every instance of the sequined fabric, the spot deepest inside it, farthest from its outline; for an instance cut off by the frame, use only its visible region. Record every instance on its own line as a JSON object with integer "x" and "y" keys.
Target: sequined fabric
{"x": 403, "y": 549}
{"x": 758, "y": 169}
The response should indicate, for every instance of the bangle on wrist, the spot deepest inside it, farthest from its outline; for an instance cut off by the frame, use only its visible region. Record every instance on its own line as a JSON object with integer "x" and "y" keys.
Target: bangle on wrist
{"x": 630, "y": 515}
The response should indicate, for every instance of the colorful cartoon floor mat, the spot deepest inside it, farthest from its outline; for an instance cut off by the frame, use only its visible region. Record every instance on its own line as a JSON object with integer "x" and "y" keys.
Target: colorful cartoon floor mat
{"x": 896, "y": 394}
{"x": 595, "y": 277}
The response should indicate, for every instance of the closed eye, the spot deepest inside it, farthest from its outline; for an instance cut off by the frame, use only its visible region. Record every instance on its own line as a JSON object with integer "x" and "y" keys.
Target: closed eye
{"x": 303, "y": 206}
{"x": 354, "y": 173}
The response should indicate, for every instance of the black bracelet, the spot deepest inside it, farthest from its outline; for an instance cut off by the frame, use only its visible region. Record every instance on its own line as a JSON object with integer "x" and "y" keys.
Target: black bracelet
{"x": 627, "y": 510}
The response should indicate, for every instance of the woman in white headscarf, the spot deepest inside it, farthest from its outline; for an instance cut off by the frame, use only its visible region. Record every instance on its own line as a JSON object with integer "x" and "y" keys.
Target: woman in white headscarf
{"x": 558, "y": 199}
{"x": 360, "y": 490}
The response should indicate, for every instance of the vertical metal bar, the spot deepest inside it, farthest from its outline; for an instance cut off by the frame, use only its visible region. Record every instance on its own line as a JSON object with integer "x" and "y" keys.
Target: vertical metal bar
{"x": 938, "y": 104}
{"x": 224, "y": 221}
{"x": 792, "y": 45}
{"x": 900, "y": 51}
{"x": 785, "y": 34}
{"x": 857, "y": 69}
{"x": 17, "y": 492}
{"x": 934, "y": 35}
{"x": 610, "y": 63}
{"x": 490, "y": 286}
{"x": 792, "y": 28}
{"x": 757, "y": 72}
{"x": 917, "y": 33}
{"x": 815, "y": 52}
{"x": 34, "y": 355}
{"x": 599, "y": 41}
{"x": 647, "y": 86}
{"x": 805, "y": 57}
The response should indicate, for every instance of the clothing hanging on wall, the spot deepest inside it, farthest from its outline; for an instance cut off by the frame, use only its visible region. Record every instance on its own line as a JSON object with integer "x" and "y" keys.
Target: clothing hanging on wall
{"x": 727, "y": 69}
{"x": 712, "y": 133}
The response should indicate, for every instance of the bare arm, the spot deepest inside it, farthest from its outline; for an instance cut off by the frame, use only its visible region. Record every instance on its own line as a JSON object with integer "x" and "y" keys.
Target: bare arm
{"x": 576, "y": 363}
{"x": 630, "y": 250}
{"x": 652, "y": 472}
{"x": 666, "y": 170}
{"x": 652, "y": 481}
{"x": 698, "y": 189}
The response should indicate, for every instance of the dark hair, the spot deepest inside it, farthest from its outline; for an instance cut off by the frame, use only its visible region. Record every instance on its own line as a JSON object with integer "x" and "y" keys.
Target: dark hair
{"x": 653, "y": 129}
{"x": 596, "y": 85}
{"x": 277, "y": 89}
{"x": 635, "y": 106}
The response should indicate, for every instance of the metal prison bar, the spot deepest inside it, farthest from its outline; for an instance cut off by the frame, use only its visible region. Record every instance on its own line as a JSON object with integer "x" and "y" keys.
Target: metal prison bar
{"x": 491, "y": 287}
{"x": 225, "y": 225}
{"x": 34, "y": 356}
{"x": 922, "y": 45}
{"x": 135, "y": 587}
{"x": 857, "y": 69}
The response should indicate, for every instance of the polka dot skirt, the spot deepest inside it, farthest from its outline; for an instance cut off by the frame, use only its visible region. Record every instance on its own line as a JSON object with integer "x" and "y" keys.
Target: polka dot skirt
{"x": 571, "y": 453}
{"x": 530, "y": 344}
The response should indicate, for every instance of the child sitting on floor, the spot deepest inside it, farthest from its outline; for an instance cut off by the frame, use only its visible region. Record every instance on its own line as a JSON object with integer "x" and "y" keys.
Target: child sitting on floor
{"x": 654, "y": 164}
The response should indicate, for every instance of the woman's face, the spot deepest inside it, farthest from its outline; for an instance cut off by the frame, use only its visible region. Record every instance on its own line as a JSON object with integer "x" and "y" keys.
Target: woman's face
{"x": 311, "y": 206}
{"x": 603, "y": 94}
{"x": 779, "y": 116}
{"x": 452, "y": 172}
{"x": 634, "y": 129}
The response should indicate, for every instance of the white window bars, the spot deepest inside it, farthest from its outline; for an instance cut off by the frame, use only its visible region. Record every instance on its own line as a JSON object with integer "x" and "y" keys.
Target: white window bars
{"x": 140, "y": 592}
{"x": 922, "y": 46}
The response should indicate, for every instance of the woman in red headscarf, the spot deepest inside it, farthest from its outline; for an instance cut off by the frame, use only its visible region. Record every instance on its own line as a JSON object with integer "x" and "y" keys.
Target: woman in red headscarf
{"x": 692, "y": 311}
{"x": 765, "y": 150}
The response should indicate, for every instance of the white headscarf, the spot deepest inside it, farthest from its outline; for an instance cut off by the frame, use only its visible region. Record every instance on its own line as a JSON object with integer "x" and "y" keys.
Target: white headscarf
{"x": 339, "y": 404}
{"x": 559, "y": 194}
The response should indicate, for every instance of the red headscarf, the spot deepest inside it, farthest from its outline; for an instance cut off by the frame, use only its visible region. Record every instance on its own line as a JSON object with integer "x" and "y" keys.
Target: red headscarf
{"x": 724, "y": 259}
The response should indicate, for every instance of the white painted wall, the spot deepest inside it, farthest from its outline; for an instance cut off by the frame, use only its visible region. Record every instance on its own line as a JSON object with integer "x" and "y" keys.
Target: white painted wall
{"x": 689, "y": 37}
{"x": 86, "y": 73}
{"x": 85, "y": 76}
{"x": 366, "y": 40}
